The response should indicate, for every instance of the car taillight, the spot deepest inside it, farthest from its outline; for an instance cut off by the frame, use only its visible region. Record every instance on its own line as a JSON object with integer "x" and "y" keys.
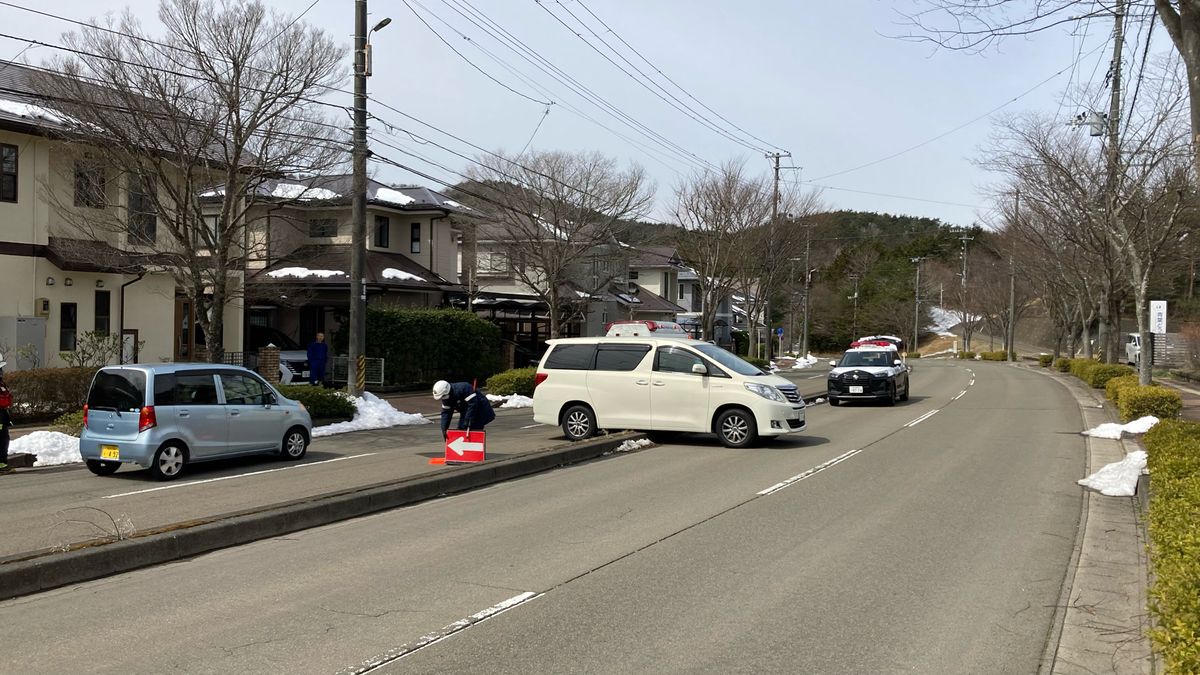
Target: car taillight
{"x": 539, "y": 378}
{"x": 84, "y": 415}
{"x": 147, "y": 420}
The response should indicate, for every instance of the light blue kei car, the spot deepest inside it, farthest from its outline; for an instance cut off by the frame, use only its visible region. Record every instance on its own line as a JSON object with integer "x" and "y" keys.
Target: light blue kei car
{"x": 166, "y": 416}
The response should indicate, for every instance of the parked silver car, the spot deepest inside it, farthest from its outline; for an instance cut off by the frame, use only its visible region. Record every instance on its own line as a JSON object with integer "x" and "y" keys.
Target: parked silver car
{"x": 165, "y": 416}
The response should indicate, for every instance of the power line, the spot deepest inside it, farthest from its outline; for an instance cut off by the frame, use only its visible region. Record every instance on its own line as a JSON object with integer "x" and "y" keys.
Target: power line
{"x": 878, "y": 194}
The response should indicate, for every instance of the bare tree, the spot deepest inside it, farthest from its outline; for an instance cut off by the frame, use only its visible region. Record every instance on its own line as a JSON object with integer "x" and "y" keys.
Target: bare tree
{"x": 216, "y": 106}
{"x": 717, "y": 211}
{"x": 557, "y": 214}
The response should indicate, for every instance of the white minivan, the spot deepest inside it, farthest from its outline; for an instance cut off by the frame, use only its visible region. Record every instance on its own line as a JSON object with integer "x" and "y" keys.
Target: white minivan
{"x": 661, "y": 384}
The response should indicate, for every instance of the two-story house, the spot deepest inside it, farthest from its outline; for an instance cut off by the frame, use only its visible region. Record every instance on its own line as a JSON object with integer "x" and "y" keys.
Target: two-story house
{"x": 60, "y": 278}
{"x": 298, "y": 269}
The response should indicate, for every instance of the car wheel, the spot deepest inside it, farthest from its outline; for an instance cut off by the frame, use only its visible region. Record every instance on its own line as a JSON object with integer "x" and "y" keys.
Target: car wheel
{"x": 295, "y": 444}
{"x": 168, "y": 462}
{"x": 891, "y": 399}
{"x": 907, "y": 386}
{"x": 102, "y": 468}
{"x": 737, "y": 428}
{"x": 578, "y": 423}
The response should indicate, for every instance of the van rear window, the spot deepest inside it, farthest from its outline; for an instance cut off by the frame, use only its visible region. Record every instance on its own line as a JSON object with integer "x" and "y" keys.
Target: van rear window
{"x": 120, "y": 389}
{"x": 571, "y": 357}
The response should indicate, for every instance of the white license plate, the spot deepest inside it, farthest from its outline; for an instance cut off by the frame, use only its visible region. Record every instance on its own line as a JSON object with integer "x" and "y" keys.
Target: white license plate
{"x": 855, "y": 389}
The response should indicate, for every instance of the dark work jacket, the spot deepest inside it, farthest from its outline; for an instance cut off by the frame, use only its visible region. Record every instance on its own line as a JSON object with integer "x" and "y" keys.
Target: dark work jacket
{"x": 473, "y": 408}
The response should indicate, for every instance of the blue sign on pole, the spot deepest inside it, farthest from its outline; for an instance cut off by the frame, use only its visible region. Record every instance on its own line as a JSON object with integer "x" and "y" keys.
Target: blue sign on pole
{"x": 779, "y": 331}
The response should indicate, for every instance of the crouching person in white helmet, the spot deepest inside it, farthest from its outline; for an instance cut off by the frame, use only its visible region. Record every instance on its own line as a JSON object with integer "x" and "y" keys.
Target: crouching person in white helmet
{"x": 473, "y": 408}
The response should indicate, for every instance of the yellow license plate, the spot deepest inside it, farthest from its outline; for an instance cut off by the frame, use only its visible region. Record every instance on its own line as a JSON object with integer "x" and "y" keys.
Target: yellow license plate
{"x": 109, "y": 452}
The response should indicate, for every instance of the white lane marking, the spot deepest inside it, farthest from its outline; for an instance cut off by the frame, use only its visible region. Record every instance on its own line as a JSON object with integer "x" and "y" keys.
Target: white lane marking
{"x": 436, "y": 636}
{"x": 810, "y": 473}
{"x": 172, "y": 486}
{"x": 531, "y": 426}
{"x": 813, "y": 377}
{"x": 960, "y": 395}
{"x": 971, "y": 383}
{"x": 922, "y": 418}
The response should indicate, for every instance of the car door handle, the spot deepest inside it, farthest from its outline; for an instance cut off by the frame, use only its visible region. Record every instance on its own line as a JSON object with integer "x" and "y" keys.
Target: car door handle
{"x": 234, "y": 413}
{"x": 659, "y": 383}
{"x": 642, "y": 382}
{"x": 184, "y": 413}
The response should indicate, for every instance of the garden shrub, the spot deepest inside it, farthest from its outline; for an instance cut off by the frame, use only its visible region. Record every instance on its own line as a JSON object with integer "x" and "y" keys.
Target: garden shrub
{"x": 45, "y": 393}
{"x": 1000, "y": 355}
{"x": 421, "y": 346}
{"x": 69, "y": 423}
{"x": 1099, "y": 374}
{"x": 966, "y": 355}
{"x": 1114, "y": 387}
{"x": 1044, "y": 360}
{"x": 1139, "y": 401}
{"x": 515, "y": 381}
{"x": 1062, "y": 364}
{"x": 1079, "y": 367}
{"x": 321, "y": 403}
{"x": 1173, "y": 450}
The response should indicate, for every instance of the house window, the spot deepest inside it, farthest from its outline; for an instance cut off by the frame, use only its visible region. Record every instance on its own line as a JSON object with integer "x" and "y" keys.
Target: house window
{"x": 492, "y": 262}
{"x": 209, "y": 225}
{"x": 383, "y": 231}
{"x": 415, "y": 246}
{"x": 143, "y": 218}
{"x": 633, "y": 274}
{"x": 68, "y": 320}
{"x": 103, "y": 312}
{"x": 322, "y": 227}
{"x": 90, "y": 182}
{"x": 681, "y": 291}
{"x": 8, "y": 172}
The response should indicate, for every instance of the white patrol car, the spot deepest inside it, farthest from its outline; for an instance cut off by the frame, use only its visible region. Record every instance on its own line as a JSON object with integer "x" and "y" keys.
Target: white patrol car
{"x": 871, "y": 372}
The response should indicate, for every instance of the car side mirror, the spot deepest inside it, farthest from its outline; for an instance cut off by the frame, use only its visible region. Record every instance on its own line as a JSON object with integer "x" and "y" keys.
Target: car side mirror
{"x": 833, "y": 364}
{"x": 897, "y": 362}
{"x": 272, "y": 399}
{"x": 699, "y": 369}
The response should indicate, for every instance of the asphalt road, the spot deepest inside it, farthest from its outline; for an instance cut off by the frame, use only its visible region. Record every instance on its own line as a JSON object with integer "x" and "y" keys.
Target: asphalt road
{"x": 873, "y": 543}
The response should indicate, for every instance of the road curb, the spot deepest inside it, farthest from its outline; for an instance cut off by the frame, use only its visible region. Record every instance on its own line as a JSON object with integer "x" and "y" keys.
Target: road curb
{"x": 54, "y": 570}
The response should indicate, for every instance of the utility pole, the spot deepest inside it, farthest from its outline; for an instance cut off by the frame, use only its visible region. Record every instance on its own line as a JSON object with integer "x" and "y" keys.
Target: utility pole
{"x": 1112, "y": 180}
{"x": 807, "y": 289}
{"x": 854, "y": 321}
{"x": 763, "y": 288}
{"x": 1012, "y": 287}
{"x": 356, "y": 366}
{"x": 917, "y": 306}
{"x": 963, "y": 295}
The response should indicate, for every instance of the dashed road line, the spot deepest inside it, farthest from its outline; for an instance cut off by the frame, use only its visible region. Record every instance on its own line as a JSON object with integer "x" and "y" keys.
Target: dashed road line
{"x": 436, "y": 636}
{"x": 922, "y": 418}
{"x": 810, "y": 473}
{"x": 960, "y": 395}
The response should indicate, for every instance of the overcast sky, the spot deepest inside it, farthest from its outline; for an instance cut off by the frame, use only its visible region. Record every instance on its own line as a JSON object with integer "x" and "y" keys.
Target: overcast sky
{"x": 882, "y": 123}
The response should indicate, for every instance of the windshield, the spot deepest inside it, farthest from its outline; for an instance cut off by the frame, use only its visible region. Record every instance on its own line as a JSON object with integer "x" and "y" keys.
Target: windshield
{"x": 727, "y": 359}
{"x": 869, "y": 359}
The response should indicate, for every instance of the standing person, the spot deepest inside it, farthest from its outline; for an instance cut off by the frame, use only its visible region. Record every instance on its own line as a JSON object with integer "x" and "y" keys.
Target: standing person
{"x": 318, "y": 356}
{"x": 474, "y": 410}
{"x": 5, "y": 419}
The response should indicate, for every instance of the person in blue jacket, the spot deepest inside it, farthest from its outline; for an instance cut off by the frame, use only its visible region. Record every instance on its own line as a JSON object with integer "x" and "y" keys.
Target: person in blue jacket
{"x": 473, "y": 408}
{"x": 318, "y": 356}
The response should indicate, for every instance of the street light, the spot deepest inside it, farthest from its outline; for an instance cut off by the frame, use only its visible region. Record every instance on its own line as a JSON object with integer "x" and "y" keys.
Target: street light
{"x": 356, "y": 363}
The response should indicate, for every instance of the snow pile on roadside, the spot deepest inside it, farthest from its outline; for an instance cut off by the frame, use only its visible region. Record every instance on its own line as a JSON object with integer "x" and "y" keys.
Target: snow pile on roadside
{"x": 634, "y": 445}
{"x": 1114, "y": 430}
{"x": 944, "y": 319}
{"x": 50, "y": 447}
{"x": 1118, "y": 479}
{"x": 371, "y": 412}
{"x": 805, "y": 362}
{"x": 511, "y": 401}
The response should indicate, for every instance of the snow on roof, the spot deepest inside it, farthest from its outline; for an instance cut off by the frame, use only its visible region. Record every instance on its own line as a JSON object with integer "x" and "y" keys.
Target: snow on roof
{"x": 393, "y": 273}
{"x": 391, "y": 196}
{"x": 303, "y": 273}
{"x": 297, "y": 191}
{"x": 31, "y": 111}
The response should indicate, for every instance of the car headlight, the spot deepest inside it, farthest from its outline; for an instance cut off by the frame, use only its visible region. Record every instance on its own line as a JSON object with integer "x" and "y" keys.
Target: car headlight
{"x": 766, "y": 391}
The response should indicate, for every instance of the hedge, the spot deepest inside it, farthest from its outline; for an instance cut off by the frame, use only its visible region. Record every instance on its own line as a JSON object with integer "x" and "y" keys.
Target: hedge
{"x": 966, "y": 355}
{"x": 515, "y": 381}
{"x": 422, "y": 346}
{"x": 69, "y": 423}
{"x": 1139, "y": 401}
{"x": 994, "y": 356}
{"x": 1080, "y": 367}
{"x": 1114, "y": 387}
{"x": 1098, "y": 375}
{"x": 1044, "y": 360}
{"x": 321, "y": 403}
{"x": 1062, "y": 364}
{"x": 45, "y": 393}
{"x": 1173, "y": 450}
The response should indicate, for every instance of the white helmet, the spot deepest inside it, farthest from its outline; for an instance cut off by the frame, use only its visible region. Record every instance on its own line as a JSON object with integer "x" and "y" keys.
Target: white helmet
{"x": 441, "y": 389}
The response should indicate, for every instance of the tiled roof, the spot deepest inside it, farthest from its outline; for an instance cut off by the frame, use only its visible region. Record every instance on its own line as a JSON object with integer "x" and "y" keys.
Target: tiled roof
{"x": 329, "y": 265}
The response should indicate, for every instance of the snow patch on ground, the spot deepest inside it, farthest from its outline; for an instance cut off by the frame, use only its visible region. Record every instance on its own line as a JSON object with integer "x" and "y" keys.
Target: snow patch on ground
{"x": 805, "y": 362}
{"x": 371, "y": 412}
{"x": 511, "y": 401}
{"x": 1114, "y": 430}
{"x": 50, "y": 447}
{"x": 637, "y": 444}
{"x": 1118, "y": 479}
{"x": 944, "y": 319}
